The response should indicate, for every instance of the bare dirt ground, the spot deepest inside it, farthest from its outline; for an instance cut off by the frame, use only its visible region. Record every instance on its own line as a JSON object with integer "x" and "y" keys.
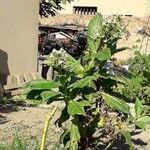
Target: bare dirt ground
{"x": 28, "y": 122}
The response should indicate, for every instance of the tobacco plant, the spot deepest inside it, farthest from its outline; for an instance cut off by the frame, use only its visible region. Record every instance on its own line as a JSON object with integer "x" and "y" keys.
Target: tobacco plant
{"x": 138, "y": 85}
{"x": 98, "y": 113}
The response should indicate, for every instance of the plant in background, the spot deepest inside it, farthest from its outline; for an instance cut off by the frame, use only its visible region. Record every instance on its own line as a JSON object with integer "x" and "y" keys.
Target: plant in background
{"x": 98, "y": 113}
{"x": 50, "y": 7}
{"x": 138, "y": 85}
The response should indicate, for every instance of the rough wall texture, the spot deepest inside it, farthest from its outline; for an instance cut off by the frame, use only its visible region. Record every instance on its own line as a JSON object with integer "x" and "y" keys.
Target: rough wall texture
{"x": 18, "y": 37}
{"x": 107, "y": 7}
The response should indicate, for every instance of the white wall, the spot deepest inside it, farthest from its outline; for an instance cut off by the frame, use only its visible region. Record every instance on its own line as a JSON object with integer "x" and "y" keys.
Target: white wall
{"x": 18, "y": 37}
{"x": 107, "y": 7}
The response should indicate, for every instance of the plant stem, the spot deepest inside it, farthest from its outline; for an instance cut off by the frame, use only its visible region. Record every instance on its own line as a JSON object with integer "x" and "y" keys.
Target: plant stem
{"x": 47, "y": 121}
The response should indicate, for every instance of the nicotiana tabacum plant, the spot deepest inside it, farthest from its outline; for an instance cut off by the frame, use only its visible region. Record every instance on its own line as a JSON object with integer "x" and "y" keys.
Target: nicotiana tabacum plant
{"x": 98, "y": 113}
{"x": 138, "y": 85}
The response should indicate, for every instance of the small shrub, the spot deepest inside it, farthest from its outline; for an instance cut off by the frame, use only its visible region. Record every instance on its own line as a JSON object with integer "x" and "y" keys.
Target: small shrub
{"x": 94, "y": 103}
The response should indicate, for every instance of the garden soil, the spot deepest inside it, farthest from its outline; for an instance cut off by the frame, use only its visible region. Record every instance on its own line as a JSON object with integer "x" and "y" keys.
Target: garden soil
{"x": 28, "y": 123}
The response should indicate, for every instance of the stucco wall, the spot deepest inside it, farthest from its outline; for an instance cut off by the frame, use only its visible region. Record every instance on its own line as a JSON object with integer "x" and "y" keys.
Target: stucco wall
{"x": 18, "y": 37}
{"x": 107, "y": 7}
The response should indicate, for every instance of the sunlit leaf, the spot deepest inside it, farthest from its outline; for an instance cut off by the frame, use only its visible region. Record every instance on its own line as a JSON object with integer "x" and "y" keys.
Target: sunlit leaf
{"x": 85, "y": 103}
{"x": 74, "y": 134}
{"x": 83, "y": 82}
{"x": 75, "y": 108}
{"x": 41, "y": 85}
{"x": 103, "y": 54}
{"x": 94, "y": 33}
{"x": 138, "y": 108}
{"x": 46, "y": 95}
{"x": 115, "y": 103}
{"x": 143, "y": 122}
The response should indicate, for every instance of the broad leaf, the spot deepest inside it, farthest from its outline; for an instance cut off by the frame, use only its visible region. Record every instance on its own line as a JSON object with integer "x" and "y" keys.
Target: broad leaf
{"x": 74, "y": 146}
{"x": 94, "y": 33}
{"x": 41, "y": 85}
{"x": 115, "y": 103}
{"x": 46, "y": 95}
{"x": 138, "y": 108}
{"x": 74, "y": 134}
{"x": 143, "y": 121}
{"x": 75, "y": 108}
{"x": 146, "y": 61}
{"x": 83, "y": 82}
{"x": 74, "y": 65}
{"x": 127, "y": 136}
{"x": 85, "y": 103}
{"x": 103, "y": 54}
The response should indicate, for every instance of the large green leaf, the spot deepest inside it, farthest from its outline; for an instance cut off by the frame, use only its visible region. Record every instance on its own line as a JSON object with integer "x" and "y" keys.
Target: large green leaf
{"x": 115, "y": 103}
{"x": 46, "y": 95}
{"x": 143, "y": 121}
{"x": 82, "y": 82}
{"x": 75, "y": 108}
{"x": 127, "y": 136}
{"x": 135, "y": 83}
{"x": 146, "y": 61}
{"x": 74, "y": 137}
{"x": 74, "y": 134}
{"x": 94, "y": 33}
{"x": 103, "y": 54}
{"x": 138, "y": 108}
{"x": 85, "y": 103}
{"x": 41, "y": 85}
{"x": 74, "y": 66}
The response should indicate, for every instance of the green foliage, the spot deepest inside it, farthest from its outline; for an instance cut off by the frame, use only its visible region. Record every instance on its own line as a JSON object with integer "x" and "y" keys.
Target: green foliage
{"x": 141, "y": 117}
{"x": 50, "y": 7}
{"x": 94, "y": 100}
{"x": 138, "y": 85}
{"x": 116, "y": 103}
{"x": 104, "y": 33}
{"x": 20, "y": 143}
{"x": 75, "y": 108}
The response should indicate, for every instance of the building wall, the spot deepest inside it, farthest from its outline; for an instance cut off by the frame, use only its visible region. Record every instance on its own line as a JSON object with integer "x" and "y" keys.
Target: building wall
{"x": 18, "y": 37}
{"x": 107, "y": 7}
